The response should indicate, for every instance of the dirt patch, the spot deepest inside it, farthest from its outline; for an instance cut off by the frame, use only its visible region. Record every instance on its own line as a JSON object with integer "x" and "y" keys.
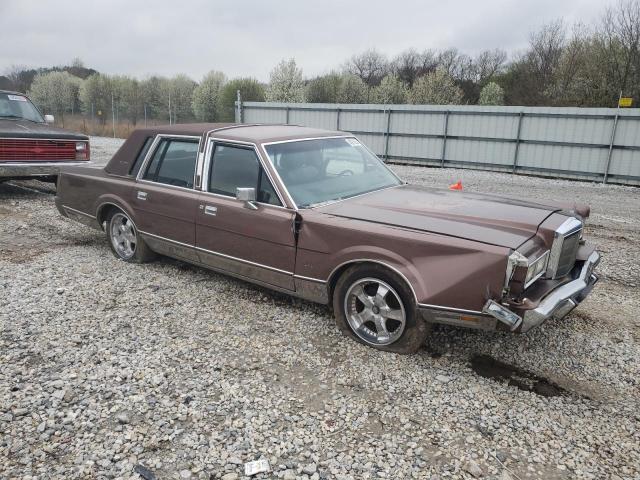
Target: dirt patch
{"x": 489, "y": 367}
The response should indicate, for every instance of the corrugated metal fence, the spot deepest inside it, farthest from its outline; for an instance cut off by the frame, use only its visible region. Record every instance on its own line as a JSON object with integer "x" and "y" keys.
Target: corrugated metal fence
{"x": 601, "y": 144}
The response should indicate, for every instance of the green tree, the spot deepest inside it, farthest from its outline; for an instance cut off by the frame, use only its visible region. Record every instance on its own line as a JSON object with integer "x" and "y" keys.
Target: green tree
{"x": 436, "y": 88}
{"x": 491, "y": 94}
{"x": 95, "y": 96}
{"x": 55, "y": 92}
{"x": 251, "y": 90}
{"x": 325, "y": 88}
{"x": 286, "y": 83}
{"x": 352, "y": 90}
{"x": 206, "y": 102}
{"x": 390, "y": 91}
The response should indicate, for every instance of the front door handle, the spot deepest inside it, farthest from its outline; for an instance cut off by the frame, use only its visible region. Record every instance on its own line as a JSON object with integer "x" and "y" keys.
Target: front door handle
{"x": 142, "y": 195}
{"x": 210, "y": 210}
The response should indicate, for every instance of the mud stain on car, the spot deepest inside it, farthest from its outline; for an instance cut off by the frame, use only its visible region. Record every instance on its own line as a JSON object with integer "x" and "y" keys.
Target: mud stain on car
{"x": 489, "y": 367}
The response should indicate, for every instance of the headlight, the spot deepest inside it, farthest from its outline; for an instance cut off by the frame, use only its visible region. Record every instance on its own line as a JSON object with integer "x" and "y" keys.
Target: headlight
{"x": 82, "y": 150}
{"x": 524, "y": 269}
{"x": 536, "y": 269}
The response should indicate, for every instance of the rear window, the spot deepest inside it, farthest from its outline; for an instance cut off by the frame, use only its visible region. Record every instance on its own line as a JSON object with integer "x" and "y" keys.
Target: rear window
{"x": 135, "y": 168}
{"x": 173, "y": 163}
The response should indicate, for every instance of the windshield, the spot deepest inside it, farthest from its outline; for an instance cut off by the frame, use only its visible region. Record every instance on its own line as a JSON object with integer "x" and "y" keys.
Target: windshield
{"x": 328, "y": 169}
{"x": 18, "y": 106}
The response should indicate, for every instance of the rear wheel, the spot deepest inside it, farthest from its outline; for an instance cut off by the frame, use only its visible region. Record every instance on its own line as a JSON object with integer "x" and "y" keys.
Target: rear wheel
{"x": 376, "y": 307}
{"x": 124, "y": 239}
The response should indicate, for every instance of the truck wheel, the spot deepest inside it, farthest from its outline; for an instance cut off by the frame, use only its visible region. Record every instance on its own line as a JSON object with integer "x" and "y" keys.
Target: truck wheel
{"x": 376, "y": 307}
{"x": 124, "y": 239}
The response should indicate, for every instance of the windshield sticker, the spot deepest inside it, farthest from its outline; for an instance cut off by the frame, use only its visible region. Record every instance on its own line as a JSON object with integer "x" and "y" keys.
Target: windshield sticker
{"x": 17, "y": 98}
{"x": 353, "y": 142}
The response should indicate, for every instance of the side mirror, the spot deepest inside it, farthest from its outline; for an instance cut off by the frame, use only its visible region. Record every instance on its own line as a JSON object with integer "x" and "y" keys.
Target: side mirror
{"x": 248, "y": 196}
{"x": 49, "y": 119}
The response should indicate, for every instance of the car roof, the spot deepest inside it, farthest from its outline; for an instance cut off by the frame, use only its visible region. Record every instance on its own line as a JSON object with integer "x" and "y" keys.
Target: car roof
{"x": 254, "y": 133}
{"x": 10, "y": 92}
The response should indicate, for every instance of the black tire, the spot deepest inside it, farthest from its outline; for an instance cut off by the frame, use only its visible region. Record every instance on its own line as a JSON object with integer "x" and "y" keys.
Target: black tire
{"x": 140, "y": 252}
{"x": 415, "y": 330}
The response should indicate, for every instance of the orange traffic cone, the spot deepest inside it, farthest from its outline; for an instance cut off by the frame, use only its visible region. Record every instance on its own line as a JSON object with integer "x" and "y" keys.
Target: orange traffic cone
{"x": 456, "y": 186}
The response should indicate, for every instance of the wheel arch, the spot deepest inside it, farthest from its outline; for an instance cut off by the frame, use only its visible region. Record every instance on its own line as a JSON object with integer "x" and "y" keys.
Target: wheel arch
{"x": 337, "y": 272}
{"x": 107, "y": 204}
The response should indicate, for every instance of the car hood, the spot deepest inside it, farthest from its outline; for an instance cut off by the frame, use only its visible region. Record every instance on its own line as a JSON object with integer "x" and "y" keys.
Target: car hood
{"x": 490, "y": 219}
{"x": 26, "y": 129}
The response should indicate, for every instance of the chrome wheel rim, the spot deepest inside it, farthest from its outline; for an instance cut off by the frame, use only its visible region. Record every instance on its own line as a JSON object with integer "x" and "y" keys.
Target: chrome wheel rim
{"x": 123, "y": 235}
{"x": 375, "y": 311}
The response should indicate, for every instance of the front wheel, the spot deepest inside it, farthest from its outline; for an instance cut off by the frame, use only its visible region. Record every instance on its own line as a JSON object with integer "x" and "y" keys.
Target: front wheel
{"x": 124, "y": 239}
{"x": 376, "y": 307}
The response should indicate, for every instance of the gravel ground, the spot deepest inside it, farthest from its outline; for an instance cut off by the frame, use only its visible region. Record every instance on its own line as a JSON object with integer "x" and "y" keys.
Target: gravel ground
{"x": 112, "y": 370}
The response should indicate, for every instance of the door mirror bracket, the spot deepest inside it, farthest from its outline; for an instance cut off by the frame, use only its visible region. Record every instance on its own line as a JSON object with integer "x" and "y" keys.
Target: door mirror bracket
{"x": 248, "y": 196}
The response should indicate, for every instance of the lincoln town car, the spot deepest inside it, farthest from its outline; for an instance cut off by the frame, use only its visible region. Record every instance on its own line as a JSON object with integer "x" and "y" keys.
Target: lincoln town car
{"x": 315, "y": 214}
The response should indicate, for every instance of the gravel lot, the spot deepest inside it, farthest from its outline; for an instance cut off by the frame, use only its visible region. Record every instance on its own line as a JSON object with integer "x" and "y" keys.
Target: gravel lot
{"x": 112, "y": 370}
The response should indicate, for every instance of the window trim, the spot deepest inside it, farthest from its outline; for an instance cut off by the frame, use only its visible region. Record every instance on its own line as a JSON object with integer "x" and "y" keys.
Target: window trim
{"x": 151, "y": 152}
{"x": 208, "y": 158}
{"x": 149, "y": 139}
{"x": 263, "y": 146}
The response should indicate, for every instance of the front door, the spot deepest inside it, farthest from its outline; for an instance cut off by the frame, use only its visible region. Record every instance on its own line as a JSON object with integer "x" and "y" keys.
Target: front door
{"x": 164, "y": 200}
{"x": 254, "y": 241}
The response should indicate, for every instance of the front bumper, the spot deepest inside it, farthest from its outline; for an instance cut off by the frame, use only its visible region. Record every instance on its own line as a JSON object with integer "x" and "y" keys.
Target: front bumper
{"x": 556, "y": 304}
{"x": 36, "y": 169}
{"x": 565, "y": 298}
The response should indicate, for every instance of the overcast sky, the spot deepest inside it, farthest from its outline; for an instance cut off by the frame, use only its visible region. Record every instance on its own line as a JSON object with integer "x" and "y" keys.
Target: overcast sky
{"x": 248, "y": 37}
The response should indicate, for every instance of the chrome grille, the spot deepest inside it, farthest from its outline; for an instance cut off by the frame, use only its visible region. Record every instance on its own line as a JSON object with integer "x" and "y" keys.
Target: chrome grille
{"x": 565, "y": 247}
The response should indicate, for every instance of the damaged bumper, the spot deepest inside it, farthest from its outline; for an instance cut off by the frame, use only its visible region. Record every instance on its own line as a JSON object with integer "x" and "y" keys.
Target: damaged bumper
{"x": 556, "y": 304}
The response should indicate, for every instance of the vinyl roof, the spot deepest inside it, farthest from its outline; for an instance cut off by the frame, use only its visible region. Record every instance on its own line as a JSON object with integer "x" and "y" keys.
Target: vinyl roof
{"x": 242, "y": 132}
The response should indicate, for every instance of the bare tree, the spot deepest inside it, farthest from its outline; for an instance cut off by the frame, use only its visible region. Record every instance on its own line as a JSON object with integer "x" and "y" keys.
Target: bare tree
{"x": 371, "y": 66}
{"x": 487, "y": 64}
{"x": 411, "y": 64}
{"x": 619, "y": 41}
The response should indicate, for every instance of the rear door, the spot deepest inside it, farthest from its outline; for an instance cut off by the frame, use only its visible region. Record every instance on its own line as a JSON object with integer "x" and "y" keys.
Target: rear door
{"x": 164, "y": 199}
{"x": 230, "y": 235}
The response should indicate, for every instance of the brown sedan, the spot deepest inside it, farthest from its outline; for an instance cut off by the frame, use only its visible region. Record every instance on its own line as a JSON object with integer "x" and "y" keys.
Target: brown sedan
{"x": 315, "y": 214}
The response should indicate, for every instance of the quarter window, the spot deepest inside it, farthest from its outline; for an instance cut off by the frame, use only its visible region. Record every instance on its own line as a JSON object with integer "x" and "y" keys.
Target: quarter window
{"x": 238, "y": 167}
{"x": 173, "y": 163}
{"x": 143, "y": 153}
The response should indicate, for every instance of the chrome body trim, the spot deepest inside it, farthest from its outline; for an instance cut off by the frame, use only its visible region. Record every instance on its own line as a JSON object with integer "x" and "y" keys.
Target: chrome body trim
{"x": 78, "y": 211}
{"x": 304, "y": 139}
{"x": 218, "y": 254}
{"x": 284, "y": 186}
{"x": 310, "y": 279}
{"x": 379, "y": 262}
{"x": 561, "y": 301}
{"x": 448, "y": 309}
{"x": 569, "y": 226}
{"x": 152, "y": 149}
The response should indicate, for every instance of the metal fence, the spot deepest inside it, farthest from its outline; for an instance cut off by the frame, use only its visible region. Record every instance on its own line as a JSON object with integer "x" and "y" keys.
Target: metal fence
{"x": 601, "y": 144}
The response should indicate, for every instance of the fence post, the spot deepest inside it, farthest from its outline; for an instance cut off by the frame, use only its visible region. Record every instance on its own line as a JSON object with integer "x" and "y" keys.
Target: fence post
{"x": 287, "y": 117}
{"x": 515, "y": 154}
{"x": 610, "y": 153}
{"x": 444, "y": 137}
{"x": 338, "y": 119}
{"x": 386, "y": 141}
{"x": 238, "y": 107}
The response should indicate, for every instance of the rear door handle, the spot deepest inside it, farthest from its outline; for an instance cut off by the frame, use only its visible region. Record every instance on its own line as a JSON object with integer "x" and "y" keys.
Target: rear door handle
{"x": 211, "y": 210}
{"x": 142, "y": 195}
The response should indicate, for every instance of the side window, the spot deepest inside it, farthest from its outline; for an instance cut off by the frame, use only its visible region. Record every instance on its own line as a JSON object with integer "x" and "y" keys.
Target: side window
{"x": 135, "y": 168}
{"x": 237, "y": 167}
{"x": 173, "y": 163}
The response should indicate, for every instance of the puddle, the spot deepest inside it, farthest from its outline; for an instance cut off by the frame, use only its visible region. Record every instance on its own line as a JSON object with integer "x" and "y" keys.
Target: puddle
{"x": 489, "y": 367}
